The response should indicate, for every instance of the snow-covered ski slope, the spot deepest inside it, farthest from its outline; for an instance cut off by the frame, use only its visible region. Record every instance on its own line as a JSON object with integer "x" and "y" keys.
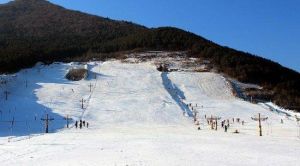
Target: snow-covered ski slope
{"x": 138, "y": 116}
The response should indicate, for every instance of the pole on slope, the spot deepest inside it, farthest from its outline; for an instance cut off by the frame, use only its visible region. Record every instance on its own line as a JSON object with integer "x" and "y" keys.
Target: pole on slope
{"x": 82, "y": 103}
{"x": 90, "y": 87}
{"x": 259, "y": 125}
{"x": 216, "y": 123}
{"x": 298, "y": 123}
{"x": 68, "y": 120}
{"x": 211, "y": 122}
{"x": 12, "y": 124}
{"x": 46, "y": 120}
{"x": 6, "y": 94}
{"x": 259, "y": 119}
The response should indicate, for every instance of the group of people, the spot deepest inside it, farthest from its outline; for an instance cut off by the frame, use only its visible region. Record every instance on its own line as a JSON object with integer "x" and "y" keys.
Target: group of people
{"x": 225, "y": 126}
{"x": 81, "y": 123}
{"x": 226, "y": 123}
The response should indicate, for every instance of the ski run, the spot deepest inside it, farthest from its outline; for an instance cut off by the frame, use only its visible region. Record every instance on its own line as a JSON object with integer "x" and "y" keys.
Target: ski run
{"x": 137, "y": 116}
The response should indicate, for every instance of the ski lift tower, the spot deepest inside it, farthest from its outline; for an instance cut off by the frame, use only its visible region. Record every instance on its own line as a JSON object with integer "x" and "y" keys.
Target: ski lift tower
{"x": 259, "y": 118}
{"x": 213, "y": 119}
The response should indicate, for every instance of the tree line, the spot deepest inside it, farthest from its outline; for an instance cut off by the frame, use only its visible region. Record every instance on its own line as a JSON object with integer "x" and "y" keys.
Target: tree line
{"x": 32, "y": 31}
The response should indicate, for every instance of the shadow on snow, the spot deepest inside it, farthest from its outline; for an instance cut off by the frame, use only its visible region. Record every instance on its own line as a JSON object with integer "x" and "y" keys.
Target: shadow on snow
{"x": 22, "y": 115}
{"x": 176, "y": 94}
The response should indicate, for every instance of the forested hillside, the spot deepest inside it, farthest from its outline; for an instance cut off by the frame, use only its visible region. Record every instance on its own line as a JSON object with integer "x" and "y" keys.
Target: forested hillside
{"x": 36, "y": 30}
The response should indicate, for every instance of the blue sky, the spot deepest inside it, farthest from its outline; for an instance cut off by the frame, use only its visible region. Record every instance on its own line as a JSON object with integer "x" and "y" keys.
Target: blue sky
{"x": 268, "y": 28}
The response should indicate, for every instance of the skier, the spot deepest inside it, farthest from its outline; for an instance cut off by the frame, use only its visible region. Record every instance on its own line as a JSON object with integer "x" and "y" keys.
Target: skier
{"x": 87, "y": 125}
{"x": 83, "y": 123}
{"x": 225, "y": 128}
{"x": 76, "y": 124}
{"x": 80, "y": 125}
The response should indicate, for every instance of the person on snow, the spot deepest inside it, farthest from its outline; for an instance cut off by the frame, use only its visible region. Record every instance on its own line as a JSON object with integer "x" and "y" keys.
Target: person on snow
{"x": 80, "y": 124}
{"x": 225, "y": 128}
{"x": 76, "y": 124}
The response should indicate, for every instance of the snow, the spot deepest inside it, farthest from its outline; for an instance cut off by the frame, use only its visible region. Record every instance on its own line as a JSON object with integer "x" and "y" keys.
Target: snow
{"x": 245, "y": 85}
{"x": 277, "y": 109}
{"x": 137, "y": 116}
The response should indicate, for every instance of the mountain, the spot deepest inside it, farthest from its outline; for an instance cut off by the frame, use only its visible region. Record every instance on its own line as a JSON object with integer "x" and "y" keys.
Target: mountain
{"x": 36, "y": 30}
